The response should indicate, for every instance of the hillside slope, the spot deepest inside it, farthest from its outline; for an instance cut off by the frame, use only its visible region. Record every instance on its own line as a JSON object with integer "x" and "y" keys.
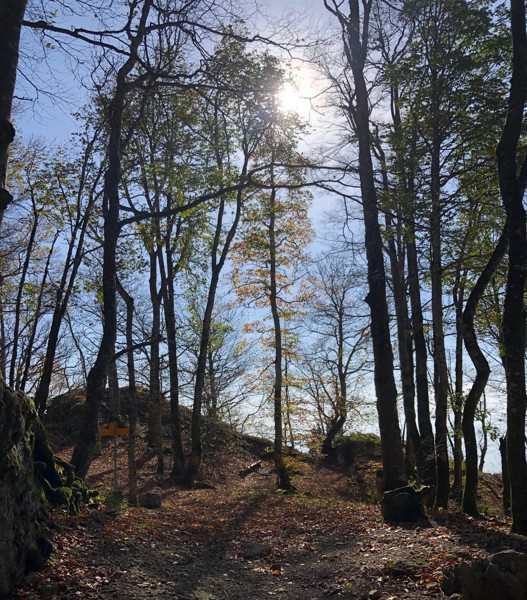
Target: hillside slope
{"x": 243, "y": 540}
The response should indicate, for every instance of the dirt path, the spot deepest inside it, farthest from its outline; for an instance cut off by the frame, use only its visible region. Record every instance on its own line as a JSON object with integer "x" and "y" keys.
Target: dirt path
{"x": 243, "y": 541}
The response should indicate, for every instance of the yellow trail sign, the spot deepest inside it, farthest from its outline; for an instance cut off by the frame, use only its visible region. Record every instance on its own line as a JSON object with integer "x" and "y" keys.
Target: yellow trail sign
{"x": 112, "y": 429}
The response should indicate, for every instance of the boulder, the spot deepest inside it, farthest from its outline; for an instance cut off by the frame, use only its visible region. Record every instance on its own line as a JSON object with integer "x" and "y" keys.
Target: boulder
{"x": 402, "y": 504}
{"x": 150, "y": 500}
{"x": 504, "y": 576}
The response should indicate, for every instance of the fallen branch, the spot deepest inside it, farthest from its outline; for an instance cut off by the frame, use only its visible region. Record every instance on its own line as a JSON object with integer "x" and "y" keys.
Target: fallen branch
{"x": 251, "y": 468}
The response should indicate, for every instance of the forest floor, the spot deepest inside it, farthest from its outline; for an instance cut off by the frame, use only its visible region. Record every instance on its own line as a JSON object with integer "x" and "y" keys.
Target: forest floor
{"x": 243, "y": 540}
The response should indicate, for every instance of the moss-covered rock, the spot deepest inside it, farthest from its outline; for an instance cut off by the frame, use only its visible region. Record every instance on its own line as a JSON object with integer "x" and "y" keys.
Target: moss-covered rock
{"x": 56, "y": 477}
{"x": 23, "y": 544}
{"x": 31, "y": 480}
{"x": 349, "y": 446}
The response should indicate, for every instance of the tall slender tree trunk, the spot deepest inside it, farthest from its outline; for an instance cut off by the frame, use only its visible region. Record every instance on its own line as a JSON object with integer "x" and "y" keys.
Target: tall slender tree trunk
{"x": 194, "y": 460}
{"x": 84, "y": 450}
{"x": 421, "y": 363}
{"x": 114, "y": 392}
{"x": 18, "y": 303}
{"x": 63, "y": 294}
{"x": 470, "y": 502}
{"x": 512, "y": 180}
{"x": 132, "y": 391}
{"x": 167, "y": 286}
{"x": 396, "y": 255}
{"x": 217, "y": 264}
{"x": 341, "y": 392}
{"x": 413, "y": 456}
{"x": 458, "y": 399}
{"x": 283, "y": 480}
{"x": 440, "y": 363}
{"x": 412, "y": 335}
{"x": 355, "y": 26}
{"x": 24, "y": 375}
{"x": 155, "y": 427}
{"x": 484, "y": 445}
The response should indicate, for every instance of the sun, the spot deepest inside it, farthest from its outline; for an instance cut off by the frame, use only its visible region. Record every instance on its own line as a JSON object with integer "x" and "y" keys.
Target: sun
{"x": 289, "y": 98}
{"x": 295, "y": 96}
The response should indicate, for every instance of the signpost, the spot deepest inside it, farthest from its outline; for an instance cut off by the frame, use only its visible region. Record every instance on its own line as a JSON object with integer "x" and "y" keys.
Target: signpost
{"x": 113, "y": 430}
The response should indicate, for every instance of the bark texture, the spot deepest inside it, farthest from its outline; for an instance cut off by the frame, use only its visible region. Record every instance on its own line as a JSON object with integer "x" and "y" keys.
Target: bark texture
{"x": 512, "y": 172}
{"x": 11, "y": 15}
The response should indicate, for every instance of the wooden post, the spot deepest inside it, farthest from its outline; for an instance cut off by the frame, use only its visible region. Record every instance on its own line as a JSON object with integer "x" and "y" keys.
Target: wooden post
{"x": 112, "y": 430}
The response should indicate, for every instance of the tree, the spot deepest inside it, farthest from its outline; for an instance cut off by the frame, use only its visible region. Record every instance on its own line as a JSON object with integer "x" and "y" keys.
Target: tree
{"x": 437, "y": 153}
{"x": 270, "y": 256}
{"x": 482, "y": 375}
{"x": 233, "y": 123}
{"x": 512, "y": 172}
{"x": 396, "y": 149}
{"x": 140, "y": 68}
{"x": 341, "y": 332}
{"x": 11, "y": 16}
{"x": 355, "y": 37}
{"x": 83, "y": 452}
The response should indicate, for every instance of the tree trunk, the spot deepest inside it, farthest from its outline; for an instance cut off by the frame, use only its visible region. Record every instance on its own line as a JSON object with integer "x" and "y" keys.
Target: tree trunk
{"x": 11, "y": 15}
{"x": 155, "y": 426}
{"x": 283, "y": 480}
{"x": 440, "y": 363}
{"x": 13, "y": 370}
{"x": 512, "y": 182}
{"x": 212, "y": 401}
{"x": 132, "y": 406}
{"x": 84, "y": 450}
{"x": 114, "y": 392}
{"x": 458, "y": 400}
{"x": 167, "y": 286}
{"x": 24, "y": 376}
{"x": 505, "y": 477}
{"x": 396, "y": 254}
{"x": 288, "y": 421}
{"x": 194, "y": 460}
{"x": 63, "y": 294}
{"x": 484, "y": 446}
{"x": 482, "y": 375}
{"x": 421, "y": 364}
{"x": 385, "y": 388}
{"x": 336, "y": 425}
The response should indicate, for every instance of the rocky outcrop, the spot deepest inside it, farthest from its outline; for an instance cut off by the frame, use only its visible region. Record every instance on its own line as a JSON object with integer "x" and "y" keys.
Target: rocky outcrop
{"x": 23, "y": 545}
{"x": 31, "y": 480}
{"x": 504, "y": 576}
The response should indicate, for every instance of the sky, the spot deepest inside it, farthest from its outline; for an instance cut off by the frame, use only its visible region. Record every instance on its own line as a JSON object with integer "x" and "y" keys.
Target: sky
{"x": 49, "y": 90}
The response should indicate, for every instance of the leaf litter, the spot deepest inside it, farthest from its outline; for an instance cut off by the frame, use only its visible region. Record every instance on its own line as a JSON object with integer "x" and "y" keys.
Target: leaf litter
{"x": 326, "y": 541}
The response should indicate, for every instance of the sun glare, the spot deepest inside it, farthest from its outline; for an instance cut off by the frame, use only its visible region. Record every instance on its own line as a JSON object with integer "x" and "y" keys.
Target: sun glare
{"x": 295, "y": 96}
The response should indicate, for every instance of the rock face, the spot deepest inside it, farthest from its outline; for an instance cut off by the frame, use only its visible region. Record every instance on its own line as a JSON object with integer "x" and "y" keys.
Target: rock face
{"x": 504, "y": 577}
{"x": 22, "y": 513}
